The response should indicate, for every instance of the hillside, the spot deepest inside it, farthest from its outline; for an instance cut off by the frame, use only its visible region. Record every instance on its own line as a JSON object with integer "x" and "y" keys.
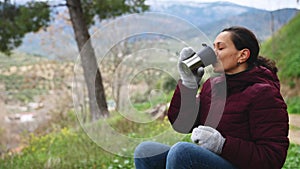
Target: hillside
{"x": 284, "y": 48}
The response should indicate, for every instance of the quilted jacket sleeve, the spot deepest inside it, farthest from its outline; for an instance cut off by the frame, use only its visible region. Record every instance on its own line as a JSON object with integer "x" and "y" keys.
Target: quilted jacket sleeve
{"x": 268, "y": 120}
{"x": 183, "y": 110}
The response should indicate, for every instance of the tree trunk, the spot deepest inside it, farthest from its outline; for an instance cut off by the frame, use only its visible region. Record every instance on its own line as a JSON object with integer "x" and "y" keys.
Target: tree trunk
{"x": 92, "y": 75}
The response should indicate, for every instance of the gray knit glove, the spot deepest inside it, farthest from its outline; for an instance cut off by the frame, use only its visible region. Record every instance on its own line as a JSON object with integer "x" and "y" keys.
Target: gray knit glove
{"x": 209, "y": 138}
{"x": 189, "y": 79}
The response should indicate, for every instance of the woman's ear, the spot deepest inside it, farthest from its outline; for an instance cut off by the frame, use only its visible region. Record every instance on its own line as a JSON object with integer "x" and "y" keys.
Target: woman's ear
{"x": 244, "y": 55}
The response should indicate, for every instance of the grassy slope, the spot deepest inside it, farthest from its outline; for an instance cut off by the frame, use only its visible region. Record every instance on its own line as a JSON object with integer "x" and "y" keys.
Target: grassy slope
{"x": 284, "y": 47}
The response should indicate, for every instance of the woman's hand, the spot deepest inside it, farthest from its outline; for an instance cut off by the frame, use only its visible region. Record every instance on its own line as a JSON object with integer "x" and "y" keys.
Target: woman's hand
{"x": 209, "y": 138}
{"x": 189, "y": 79}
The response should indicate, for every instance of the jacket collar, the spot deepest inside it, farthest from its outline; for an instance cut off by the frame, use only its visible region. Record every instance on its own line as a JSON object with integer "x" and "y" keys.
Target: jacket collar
{"x": 240, "y": 81}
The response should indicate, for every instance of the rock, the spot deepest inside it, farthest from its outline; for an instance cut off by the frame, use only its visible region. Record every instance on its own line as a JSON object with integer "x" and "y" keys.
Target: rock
{"x": 34, "y": 105}
{"x": 159, "y": 112}
{"x": 13, "y": 69}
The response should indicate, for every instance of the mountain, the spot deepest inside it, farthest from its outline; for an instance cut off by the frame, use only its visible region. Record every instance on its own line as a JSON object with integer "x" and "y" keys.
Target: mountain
{"x": 201, "y": 14}
{"x": 213, "y": 17}
{"x": 262, "y": 23}
{"x": 210, "y": 18}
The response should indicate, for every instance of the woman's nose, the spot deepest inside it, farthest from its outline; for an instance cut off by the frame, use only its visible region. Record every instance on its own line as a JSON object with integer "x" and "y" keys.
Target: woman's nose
{"x": 216, "y": 51}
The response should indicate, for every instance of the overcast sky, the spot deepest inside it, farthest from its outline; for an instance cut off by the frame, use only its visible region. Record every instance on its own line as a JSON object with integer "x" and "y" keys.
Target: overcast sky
{"x": 261, "y": 4}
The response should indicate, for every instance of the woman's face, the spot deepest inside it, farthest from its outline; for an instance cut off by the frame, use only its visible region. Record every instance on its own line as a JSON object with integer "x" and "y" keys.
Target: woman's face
{"x": 227, "y": 55}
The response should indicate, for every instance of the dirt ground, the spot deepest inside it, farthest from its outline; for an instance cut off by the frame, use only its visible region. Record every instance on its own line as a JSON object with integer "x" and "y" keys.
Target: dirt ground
{"x": 294, "y": 133}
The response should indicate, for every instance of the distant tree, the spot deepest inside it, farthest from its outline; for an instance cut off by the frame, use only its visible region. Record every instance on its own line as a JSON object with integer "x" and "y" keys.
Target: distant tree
{"x": 82, "y": 15}
{"x": 17, "y": 20}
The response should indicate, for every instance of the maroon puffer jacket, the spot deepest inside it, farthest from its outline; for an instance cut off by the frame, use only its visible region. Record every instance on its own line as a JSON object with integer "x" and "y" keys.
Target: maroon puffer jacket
{"x": 253, "y": 116}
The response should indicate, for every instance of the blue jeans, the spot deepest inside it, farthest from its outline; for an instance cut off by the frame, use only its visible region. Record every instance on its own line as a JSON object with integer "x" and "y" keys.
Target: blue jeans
{"x": 182, "y": 155}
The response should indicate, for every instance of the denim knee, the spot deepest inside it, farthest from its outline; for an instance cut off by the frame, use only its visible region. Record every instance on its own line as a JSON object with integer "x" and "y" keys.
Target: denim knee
{"x": 179, "y": 156}
{"x": 141, "y": 149}
{"x": 178, "y": 149}
{"x": 180, "y": 146}
{"x": 187, "y": 148}
{"x": 149, "y": 149}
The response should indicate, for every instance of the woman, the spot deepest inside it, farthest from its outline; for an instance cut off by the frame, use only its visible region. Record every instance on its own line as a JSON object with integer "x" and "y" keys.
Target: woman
{"x": 240, "y": 121}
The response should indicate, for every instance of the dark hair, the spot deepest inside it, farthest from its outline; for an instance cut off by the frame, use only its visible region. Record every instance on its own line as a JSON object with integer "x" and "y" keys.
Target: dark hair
{"x": 243, "y": 38}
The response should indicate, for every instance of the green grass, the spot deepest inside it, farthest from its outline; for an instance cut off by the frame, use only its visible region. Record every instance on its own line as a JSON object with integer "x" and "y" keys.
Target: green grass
{"x": 284, "y": 47}
{"x": 293, "y": 105}
{"x": 293, "y": 157}
{"x": 69, "y": 148}
{"x": 146, "y": 104}
{"x": 63, "y": 150}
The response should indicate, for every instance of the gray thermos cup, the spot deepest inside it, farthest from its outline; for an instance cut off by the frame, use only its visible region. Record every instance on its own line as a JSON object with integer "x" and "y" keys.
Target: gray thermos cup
{"x": 205, "y": 57}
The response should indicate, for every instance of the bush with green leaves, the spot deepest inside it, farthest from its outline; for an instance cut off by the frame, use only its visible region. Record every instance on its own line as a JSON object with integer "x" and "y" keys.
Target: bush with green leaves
{"x": 67, "y": 148}
{"x": 293, "y": 105}
{"x": 63, "y": 150}
{"x": 293, "y": 157}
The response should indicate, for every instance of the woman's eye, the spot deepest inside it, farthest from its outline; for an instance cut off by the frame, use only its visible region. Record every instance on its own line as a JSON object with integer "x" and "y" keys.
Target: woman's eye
{"x": 221, "y": 48}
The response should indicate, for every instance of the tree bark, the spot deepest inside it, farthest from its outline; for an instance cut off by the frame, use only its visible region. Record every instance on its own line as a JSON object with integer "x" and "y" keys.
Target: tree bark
{"x": 92, "y": 75}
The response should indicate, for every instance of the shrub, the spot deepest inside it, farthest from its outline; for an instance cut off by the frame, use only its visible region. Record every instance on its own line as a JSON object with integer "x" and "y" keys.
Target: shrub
{"x": 293, "y": 105}
{"x": 169, "y": 84}
{"x": 68, "y": 148}
{"x": 293, "y": 160}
